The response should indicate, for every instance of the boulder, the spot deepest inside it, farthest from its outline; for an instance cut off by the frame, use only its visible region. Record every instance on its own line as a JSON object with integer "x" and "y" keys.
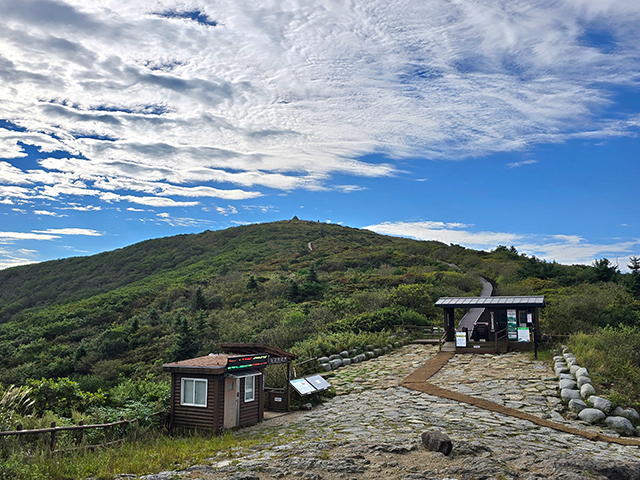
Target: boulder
{"x": 377, "y": 352}
{"x": 591, "y": 415}
{"x": 566, "y": 383}
{"x": 587, "y": 390}
{"x": 369, "y": 354}
{"x": 621, "y": 425}
{"x": 344, "y": 354}
{"x": 576, "y": 405}
{"x": 346, "y": 361}
{"x": 581, "y": 372}
{"x": 582, "y": 380}
{"x": 335, "y": 356}
{"x": 326, "y": 367}
{"x": 437, "y": 442}
{"x": 355, "y": 359}
{"x": 362, "y": 357}
{"x": 629, "y": 413}
{"x": 574, "y": 368}
{"x": 600, "y": 403}
{"x": 560, "y": 370}
{"x": 336, "y": 363}
{"x": 566, "y": 376}
{"x": 567, "y": 394}
{"x": 322, "y": 360}
{"x": 558, "y": 358}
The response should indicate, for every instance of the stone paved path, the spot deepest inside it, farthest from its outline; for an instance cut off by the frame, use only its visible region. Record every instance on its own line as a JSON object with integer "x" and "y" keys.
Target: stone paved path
{"x": 372, "y": 428}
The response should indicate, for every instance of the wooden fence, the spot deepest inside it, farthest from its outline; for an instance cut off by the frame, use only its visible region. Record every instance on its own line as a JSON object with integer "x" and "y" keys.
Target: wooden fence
{"x": 54, "y": 430}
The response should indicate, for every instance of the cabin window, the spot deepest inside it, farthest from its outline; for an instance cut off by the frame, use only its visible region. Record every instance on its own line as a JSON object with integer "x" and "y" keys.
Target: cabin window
{"x": 250, "y": 389}
{"x": 194, "y": 392}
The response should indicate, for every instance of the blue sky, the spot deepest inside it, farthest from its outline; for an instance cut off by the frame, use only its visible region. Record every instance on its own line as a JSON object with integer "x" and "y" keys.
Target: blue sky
{"x": 471, "y": 122}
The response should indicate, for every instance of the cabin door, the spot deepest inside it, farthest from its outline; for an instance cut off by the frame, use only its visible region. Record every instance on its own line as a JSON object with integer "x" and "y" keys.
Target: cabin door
{"x": 231, "y": 400}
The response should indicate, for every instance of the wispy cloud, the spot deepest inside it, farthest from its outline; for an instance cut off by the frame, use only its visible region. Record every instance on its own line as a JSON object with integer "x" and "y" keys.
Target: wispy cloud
{"x": 175, "y": 101}
{"x": 519, "y": 164}
{"x": 70, "y": 231}
{"x": 228, "y": 210}
{"x": 48, "y": 213}
{"x": 567, "y": 249}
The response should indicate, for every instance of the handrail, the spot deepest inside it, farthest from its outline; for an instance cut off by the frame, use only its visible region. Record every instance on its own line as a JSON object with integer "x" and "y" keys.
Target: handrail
{"x": 53, "y": 430}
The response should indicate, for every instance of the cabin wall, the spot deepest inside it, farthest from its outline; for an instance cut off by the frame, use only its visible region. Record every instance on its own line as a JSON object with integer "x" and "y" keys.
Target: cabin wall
{"x": 252, "y": 412}
{"x": 197, "y": 417}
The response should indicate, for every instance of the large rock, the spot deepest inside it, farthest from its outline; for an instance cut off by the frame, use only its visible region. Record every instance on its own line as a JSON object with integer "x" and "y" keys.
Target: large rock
{"x": 566, "y": 383}
{"x": 576, "y": 405}
{"x": 560, "y": 369}
{"x": 322, "y": 360}
{"x": 344, "y": 354}
{"x": 346, "y": 361}
{"x": 600, "y": 403}
{"x": 558, "y": 358}
{"x": 591, "y": 415}
{"x": 574, "y": 368}
{"x": 335, "y": 363}
{"x": 572, "y": 362}
{"x": 582, "y": 380}
{"x": 587, "y": 390}
{"x": 326, "y": 367}
{"x": 621, "y": 425}
{"x": 335, "y": 356}
{"x": 567, "y": 394}
{"x": 629, "y": 413}
{"x": 566, "y": 376}
{"x": 437, "y": 442}
{"x": 581, "y": 372}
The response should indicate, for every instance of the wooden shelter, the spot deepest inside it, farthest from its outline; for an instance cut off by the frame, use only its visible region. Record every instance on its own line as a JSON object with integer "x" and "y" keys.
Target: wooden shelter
{"x": 217, "y": 391}
{"x": 506, "y": 323}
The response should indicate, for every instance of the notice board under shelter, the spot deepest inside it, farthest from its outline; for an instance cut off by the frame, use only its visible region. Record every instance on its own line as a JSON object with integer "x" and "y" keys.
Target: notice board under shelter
{"x": 506, "y": 323}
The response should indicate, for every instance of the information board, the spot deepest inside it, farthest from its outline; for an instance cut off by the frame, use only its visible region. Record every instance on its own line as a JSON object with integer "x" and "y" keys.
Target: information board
{"x": 318, "y": 382}
{"x": 523, "y": 334}
{"x": 461, "y": 339}
{"x": 512, "y": 326}
{"x": 302, "y": 386}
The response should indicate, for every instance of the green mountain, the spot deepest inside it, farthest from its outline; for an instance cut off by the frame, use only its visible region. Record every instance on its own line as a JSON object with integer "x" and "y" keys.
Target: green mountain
{"x": 128, "y": 311}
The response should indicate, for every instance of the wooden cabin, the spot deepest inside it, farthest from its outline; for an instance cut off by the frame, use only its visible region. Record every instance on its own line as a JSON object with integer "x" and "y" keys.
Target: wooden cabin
{"x": 505, "y": 323}
{"x": 216, "y": 392}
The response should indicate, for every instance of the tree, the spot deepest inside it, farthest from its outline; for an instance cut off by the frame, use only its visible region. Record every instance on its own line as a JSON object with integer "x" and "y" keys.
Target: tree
{"x": 604, "y": 270}
{"x": 198, "y": 301}
{"x": 634, "y": 266}
{"x": 252, "y": 284}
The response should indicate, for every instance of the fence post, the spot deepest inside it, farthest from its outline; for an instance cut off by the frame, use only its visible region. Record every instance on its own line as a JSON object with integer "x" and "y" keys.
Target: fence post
{"x": 123, "y": 430}
{"x": 80, "y": 433}
{"x": 52, "y": 445}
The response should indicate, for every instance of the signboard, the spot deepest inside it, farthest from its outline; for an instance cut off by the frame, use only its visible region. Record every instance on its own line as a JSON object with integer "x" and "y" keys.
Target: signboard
{"x": 529, "y": 318}
{"x": 523, "y": 334}
{"x": 245, "y": 362}
{"x": 302, "y": 386}
{"x": 461, "y": 339}
{"x": 512, "y": 326}
{"x": 318, "y": 382}
{"x": 312, "y": 384}
{"x": 277, "y": 360}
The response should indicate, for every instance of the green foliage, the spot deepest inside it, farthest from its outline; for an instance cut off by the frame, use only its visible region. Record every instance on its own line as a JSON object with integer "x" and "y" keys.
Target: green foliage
{"x": 612, "y": 356}
{"x": 383, "y": 319}
{"x": 62, "y": 396}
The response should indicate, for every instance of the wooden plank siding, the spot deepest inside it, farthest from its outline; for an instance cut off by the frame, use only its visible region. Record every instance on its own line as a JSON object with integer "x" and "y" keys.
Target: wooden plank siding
{"x": 199, "y": 417}
{"x": 251, "y": 412}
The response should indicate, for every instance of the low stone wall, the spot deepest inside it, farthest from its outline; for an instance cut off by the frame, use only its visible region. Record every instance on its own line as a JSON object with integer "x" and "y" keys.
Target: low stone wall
{"x": 577, "y": 392}
{"x": 344, "y": 358}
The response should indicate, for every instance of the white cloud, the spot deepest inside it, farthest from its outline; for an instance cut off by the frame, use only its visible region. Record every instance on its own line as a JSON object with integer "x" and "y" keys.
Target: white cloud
{"x": 48, "y": 213}
{"x": 13, "y": 236}
{"x": 567, "y": 249}
{"x": 228, "y": 210}
{"x": 181, "y": 221}
{"x": 519, "y": 164}
{"x": 284, "y": 95}
{"x": 70, "y": 231}
{"x": 131, "y": 209}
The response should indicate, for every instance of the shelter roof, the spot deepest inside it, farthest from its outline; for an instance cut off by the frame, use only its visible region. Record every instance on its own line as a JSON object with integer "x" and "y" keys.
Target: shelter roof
{"x": 256, "y": 348}
{"x": 502, "y": 302}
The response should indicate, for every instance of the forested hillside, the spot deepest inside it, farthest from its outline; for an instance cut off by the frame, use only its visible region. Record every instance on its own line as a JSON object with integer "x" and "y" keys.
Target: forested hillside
{"x": 122, "y": 314}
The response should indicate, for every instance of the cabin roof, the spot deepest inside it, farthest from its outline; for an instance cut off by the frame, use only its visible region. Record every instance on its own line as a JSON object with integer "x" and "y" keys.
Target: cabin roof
{"x": 256, "y": 348}
{"x": 213, "y": 362}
